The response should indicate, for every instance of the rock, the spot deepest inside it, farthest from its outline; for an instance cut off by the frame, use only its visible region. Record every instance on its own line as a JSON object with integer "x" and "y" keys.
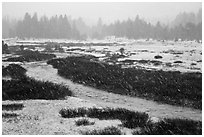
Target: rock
{"x": 178, "y": 62}
{"x": 193, "y": 64}
{"x": 158, "y": 57}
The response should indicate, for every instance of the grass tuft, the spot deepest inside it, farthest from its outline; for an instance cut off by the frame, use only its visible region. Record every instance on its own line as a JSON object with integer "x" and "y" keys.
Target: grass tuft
{"x": 137, "y": 121}
{"x": 29, "y": 56}
{"x": 13, "y": 70}
{"x": 12, "y": 107}
{"x": 27, "y": 88}
{"x": 9, "y": 115}
{"x": 129, "y": 119}
{"x": 84, "y": 122}
{"x": 106, "y": 131}
{"x": 172, "y": 127}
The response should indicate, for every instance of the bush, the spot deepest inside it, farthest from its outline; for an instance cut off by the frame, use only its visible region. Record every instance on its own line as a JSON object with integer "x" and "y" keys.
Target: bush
{"x": 13, "y": 70}
{"x": 131, "y": 119}
{"x": 175, "y": 88}
{"x": 128, "y": 118}
{"x": 30, "y": 56}
{"x": 158, "y": 57}
{"x": 84, "y": 122}
{"x": 26, "y": 88}
{"x": 172, "y": 127}
{"x": 178, "y": 61}
{"x": 12, "y": 107}
{"x": 9, "y": 115}
{"x": 106, "y": 131}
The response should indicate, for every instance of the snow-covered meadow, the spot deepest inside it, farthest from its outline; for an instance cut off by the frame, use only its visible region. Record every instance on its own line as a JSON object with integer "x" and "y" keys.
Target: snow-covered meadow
{"x": 183, "y": 56}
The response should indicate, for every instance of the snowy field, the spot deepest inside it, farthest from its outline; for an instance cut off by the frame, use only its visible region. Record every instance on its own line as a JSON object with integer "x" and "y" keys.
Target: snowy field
{"x": 183, "y": 56}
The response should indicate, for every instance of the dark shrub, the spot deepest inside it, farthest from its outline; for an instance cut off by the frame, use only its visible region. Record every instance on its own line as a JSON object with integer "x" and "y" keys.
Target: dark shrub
{"x": 178, "y": 61}
{"x": 135, "y": 120}
{"x": 172, "y": 127}
{"x": 5, "y": 49}
{"x": 70, "y": 113}
{"x": 29, "y": 56}
{"x": 12, "y": 107}
{"x": 158, "y": 57}
{"x": 106, "y": 131}
{"x": 84, "y": 122}
{"x": 9, "y": 115}
{"x": 131, "y": 119}
{"x": 155, "y": 62}
{"x": 31, "y": 89}
{"x": 128, "y": 118}
{"x": 26, "y": 88}
{"x": 193, "y": 64}
{"x": 175, "y": 88}
{"x": 13, "y": 70}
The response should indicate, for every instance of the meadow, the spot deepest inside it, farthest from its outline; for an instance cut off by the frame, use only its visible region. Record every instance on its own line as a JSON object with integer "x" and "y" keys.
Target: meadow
{"x": 171, "y": 87}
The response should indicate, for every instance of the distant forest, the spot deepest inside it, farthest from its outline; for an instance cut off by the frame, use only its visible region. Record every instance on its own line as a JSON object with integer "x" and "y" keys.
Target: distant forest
{"x": 187, "y": 26}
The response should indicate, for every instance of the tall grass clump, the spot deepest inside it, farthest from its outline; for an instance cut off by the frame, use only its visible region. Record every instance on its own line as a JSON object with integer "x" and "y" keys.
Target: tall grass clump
{"x": 136, "y": 120}
{"x": 13, "y": 70}
{"x": 83, "y": 121}
{"x": 31, "y": 89}
{"x": 172, "y": 127}
{"x": 175, "y": 88}
{"x": 12, "y": 107}
{"x": 9, "y": 115}
{"x": 129, "y": 119}
{"x": 23, "y": 87}
{"x": 29, "y": 56}
{"x": 106, "y": 131}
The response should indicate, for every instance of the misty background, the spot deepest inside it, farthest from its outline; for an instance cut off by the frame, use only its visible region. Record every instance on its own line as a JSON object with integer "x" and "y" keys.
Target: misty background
{"x": 98, "y": 20}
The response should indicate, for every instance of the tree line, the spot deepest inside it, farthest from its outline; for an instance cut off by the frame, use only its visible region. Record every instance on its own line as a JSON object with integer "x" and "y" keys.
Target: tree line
{"x": 32, "y": 27}
{"x": 138, "y": 28}
{"x": 186, "y": 26}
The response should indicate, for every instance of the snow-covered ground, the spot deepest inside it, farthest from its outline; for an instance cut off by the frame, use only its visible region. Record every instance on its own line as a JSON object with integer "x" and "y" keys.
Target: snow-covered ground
{"x": 184, "y": 56}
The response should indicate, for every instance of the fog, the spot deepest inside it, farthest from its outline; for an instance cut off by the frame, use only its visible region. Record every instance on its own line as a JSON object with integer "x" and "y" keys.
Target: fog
{"x": 109, "y": 12}
{"x": 98, "y": 20}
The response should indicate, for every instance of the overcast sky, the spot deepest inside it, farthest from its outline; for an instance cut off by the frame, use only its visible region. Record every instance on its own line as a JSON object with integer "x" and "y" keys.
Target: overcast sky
{"x": 109, "y": 12}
